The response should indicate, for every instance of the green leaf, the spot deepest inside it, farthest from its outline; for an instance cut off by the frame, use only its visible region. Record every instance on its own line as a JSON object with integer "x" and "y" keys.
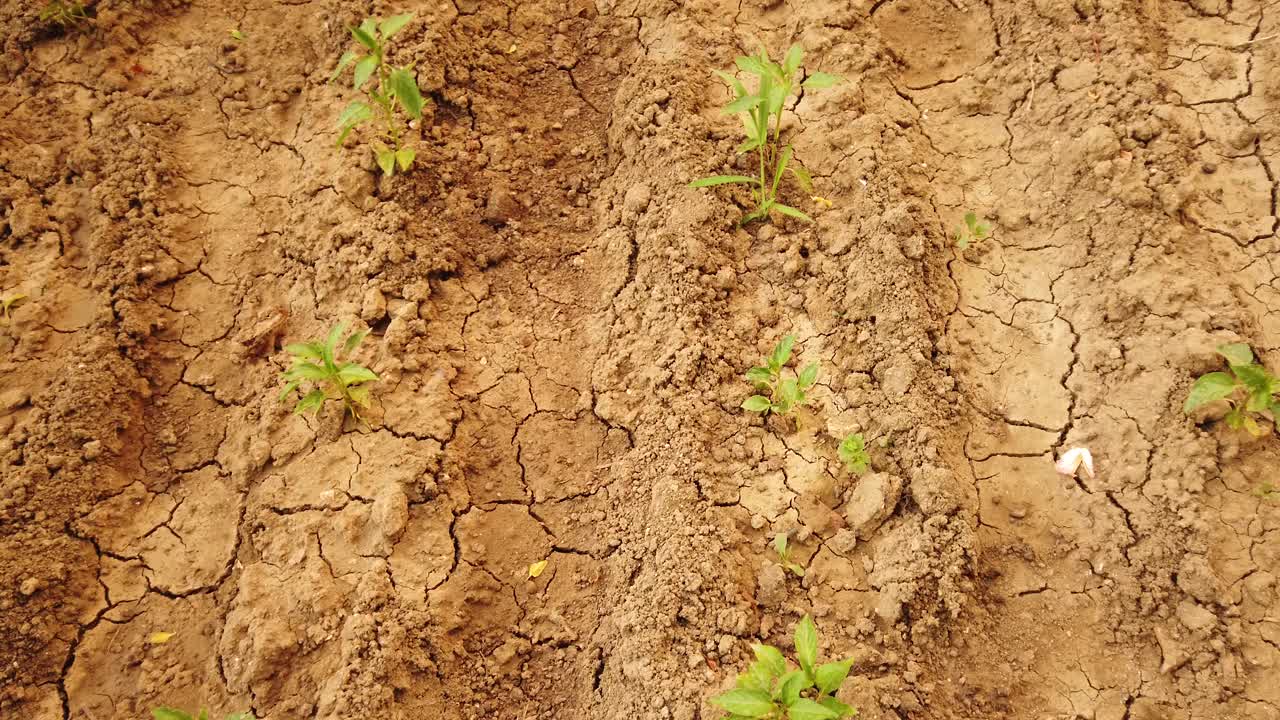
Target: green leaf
{"x": 344, "y": 62}
{"x": 370, "y": 26}
{"x": 305, "y": 371}
{"x": 164, "y": 713}
{"x": 354, "y": 114}
{"x": 1236, "y": 353}
{"x": 751, "y": 65}
{"x": 747, "y": 703}
{"x": 364, "y": 70}
{"x": 795, "y": 55}
{"x": 353, "y": 374}
{"x": 742, "y": 104}
{"x": 783, "y": 160}
{"x": 807, "y": 644}
{"x": 829, "y": 676}
{"x": 796, "y": 568}
{"x": 760, "y": 376}
{"x": 1258, "y": 401}
{"x": 756, "y": 677}
{"x": 404, "y": 158}
{"x": 738, "y": 89}
{"x": 788, "y": 395}
{"x": 405, "y": 89}
{"x": 241, "y": 716}
{"x": 757, "y": 404}
{"x": 780, "y": 544}
{"x": 1207, "y": 389}
{"x": 788, "y": 210}
{"x": 312, "y": 351}
{"x": 770, "y": 658}
{"x": 808, "y": 376}
{"x": 747, "y": 145}
{"x": 791, "y": 685}
{"x": 782, "y": 352}
{"x": 364, "y": 37}
{"x": 394, "y": 24}
{"x": 722, "y": 180}
{"x": 802, "y": 176}
{"x": 353, "y": 341}
{"x": 821, "y": 81}
{"x": 331, "y": 343}
{"x": 386, "y": 160}
{"x": 834, "y": 705}
{"x": 359, "y": 394}
{"x": 970, "y": 220}
{"x": 1251, "y": 426}
{"x": 1254, "y": 377}
{"x": 311, "y": 401}
{"x": 288, "y": 389}
{"x": 806, "y": 709}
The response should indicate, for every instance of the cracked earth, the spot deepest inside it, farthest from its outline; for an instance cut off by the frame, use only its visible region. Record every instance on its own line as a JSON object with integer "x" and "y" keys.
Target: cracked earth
{"x": 561, "y": 328}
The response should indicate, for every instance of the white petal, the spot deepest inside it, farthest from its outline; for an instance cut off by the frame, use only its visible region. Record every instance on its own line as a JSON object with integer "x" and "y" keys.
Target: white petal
{"x": 1071, "y": 461}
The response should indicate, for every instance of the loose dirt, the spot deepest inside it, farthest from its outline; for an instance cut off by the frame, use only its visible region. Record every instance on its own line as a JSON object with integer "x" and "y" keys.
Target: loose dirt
{"x": 561, "y": 328}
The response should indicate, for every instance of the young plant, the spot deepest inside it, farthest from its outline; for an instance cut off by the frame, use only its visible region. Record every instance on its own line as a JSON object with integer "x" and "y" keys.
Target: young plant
{"x": 971, "y": 230}
{"x": 761, "y": 113}
{"x": 775, "y": 394}
{"x": 65, "y": 13}
{"x": 317, "y": 363}
{"x": 1267, "y": 491}
{"x": 784, "y": 555}
{"x": 6, "y": 304}
{"x": 853, "y": 453}
{"x": 164, "y": 713}
{"x": 772, "y": 690}
{"x": 390, "y": 89}
{"x": 1247, "y": 380}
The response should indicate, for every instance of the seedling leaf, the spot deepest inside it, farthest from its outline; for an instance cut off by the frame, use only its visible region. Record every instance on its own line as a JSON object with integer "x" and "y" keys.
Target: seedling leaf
{"x": 393, "y": 25}
{"x": 164, "y": 713}
{"x": 808, "y": 376}
{"x": 722, "y": 180}
{"x": 364, "y": 37}
{"x": 386, "y": 161}
{"x": 404, "y": 158}
{"x": 830, "y": 676}
{"x": 1236, "y": 353}
{"x": 742, "y": 104}
{"x": 770, "y": 658}
{"x": 806, "y": 709}
{"x": 405, "y": 88}
{"x": 795, "y": 55}
{"x": 806, "y": 638}
{"x": 788, "y": 210}
{"x": 364, "y": 70}
{"x": 757, "y": 404}
{"x": 820, "y": 81}
{"x": 747, "y": 703}
{"x": 1207, "y": 389}
{"x": 791, "y": 685}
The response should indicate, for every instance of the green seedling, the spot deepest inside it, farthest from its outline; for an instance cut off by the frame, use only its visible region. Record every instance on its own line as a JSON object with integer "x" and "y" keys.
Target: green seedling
{"x": 390, "y": 90}
{"x": 317, "y": 363}
{"x": 236, "y": 34}
{"x": 1247, "y": 380}
{"x": 1268, "y": 491}
{"x": 784, "y": 555}
{"x": 853, "y": 453}
{"x": 971, "y": 230}
{"x": 65, "y": 13}
{"x": 164, "y": 713}
{"x": 6, "y": 304}
{"x": 772, "y": 690}
{"x": 759, "y": 111}
{"x": 774, "y": 393}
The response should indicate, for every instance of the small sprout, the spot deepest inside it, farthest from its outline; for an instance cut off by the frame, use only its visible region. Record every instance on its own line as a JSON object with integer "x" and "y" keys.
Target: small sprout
{"x": 159, "y": 638}
{"x": 65, "y": 13}
{"x": 775, "y": 394}
{"x": 972, "y": 229}
{"x": 236, "y": 34}
{"x": 853, "y": 453}
{"x": 1268, "y": 491}
{"x": 772, "y": 690}
{"x": 1247, "y": 380}
{"x": 6, "y": 304}
{"x": 392, "y": 90}
{"x": 759, "y": 110}
{"x": 784, "y": 555}
{"x": 164, "y": 713}
{"x": 317, "y": 363}
{"x": 536, "y": 569}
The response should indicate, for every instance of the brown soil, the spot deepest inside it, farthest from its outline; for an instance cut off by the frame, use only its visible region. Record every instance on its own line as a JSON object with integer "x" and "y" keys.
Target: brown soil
{"x": 561, "y": 327}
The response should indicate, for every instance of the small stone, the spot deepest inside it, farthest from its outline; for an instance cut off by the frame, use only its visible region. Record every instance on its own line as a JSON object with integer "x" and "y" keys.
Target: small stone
{"x": 374, "y": 307}
{"x": 92, "y": 449}
{"x": 29, "y": 587}
{"x": 1194, "y": 616}
{"x": 871, "y": 502}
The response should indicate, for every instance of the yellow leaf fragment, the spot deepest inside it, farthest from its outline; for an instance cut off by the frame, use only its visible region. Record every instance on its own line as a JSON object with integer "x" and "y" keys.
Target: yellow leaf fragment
{"x": 536, "y": 569}
{"x": 159, "y": 638}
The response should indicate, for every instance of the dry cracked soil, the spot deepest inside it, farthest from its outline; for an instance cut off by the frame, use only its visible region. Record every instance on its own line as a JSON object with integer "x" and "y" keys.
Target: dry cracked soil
{"x": 561, "y": 327}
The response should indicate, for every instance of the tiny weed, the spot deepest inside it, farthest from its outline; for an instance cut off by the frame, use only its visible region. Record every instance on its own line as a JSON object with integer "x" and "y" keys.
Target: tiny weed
{"x": 164, "y": 713}
{"x": 782, "y": 396}
{"x": 236, "y": 34}
{"x": 853, "y": 453}
{"x": 770, "y": 690}
{"x": 784, "y": 555}
{"x": 1248, "y": 379}
{"x": 392, "y": 88}
{"x": 317, "y": 363}
{"x": 971, "y": 230}
{"x": 65, "y": 13}
{"x": 1268, "y": 491}
{"x": 6, "y": 304}
{"x": 759, "y": 110}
